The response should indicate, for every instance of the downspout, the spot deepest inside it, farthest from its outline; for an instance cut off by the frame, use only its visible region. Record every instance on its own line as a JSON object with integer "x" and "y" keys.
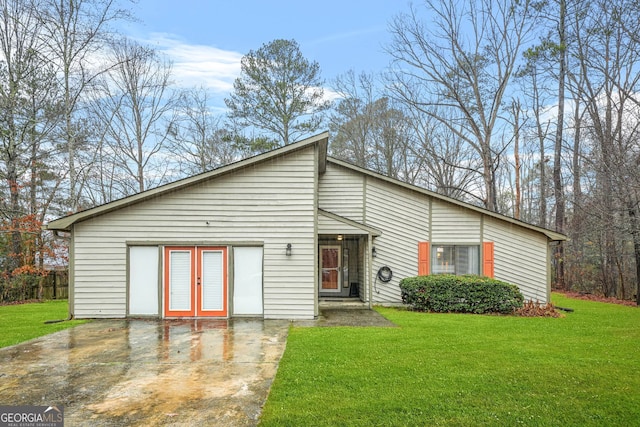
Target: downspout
{"x": 370, "y": 267}
{"x": 549, "y": 273}
{"x": 70, "y": 273}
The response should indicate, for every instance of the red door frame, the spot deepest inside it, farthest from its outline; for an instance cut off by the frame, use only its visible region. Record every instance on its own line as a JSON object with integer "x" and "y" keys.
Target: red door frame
{"x": 212, "y": 313}
{"x": 196, "y": 288}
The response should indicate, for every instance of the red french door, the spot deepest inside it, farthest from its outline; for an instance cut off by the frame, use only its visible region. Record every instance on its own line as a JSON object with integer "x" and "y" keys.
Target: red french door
{"x": 195, "y": 281}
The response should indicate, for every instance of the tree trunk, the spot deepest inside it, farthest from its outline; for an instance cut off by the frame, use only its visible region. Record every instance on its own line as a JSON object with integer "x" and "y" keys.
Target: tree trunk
{"x": 489, "y": 179}
{"x": 14, "y": 207}
{"x": 635, "y": 231}
{"x": 557, "y": 156}
{"x": 516, "y": 155}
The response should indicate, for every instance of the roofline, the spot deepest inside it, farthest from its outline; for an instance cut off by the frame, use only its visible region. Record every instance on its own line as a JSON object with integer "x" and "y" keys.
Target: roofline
{"x": 65, "y": 223}
{"x": 551, "y": 235}
{"x": 367, "y": 229}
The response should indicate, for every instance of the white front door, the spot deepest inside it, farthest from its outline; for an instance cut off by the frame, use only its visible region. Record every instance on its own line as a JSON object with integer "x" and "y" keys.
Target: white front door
{"x": 330, "y": 268}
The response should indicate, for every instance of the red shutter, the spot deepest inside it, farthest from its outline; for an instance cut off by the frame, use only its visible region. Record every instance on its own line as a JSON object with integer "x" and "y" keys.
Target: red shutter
{"x": 487, "y": 259}
{"x": 423, "y": 258}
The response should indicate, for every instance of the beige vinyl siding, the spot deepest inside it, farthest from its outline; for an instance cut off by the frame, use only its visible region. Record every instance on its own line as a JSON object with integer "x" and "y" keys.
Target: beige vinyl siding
{"x": 454, "y": 224}
{"x": 271, "y": 203}
{"x": 403, "y": 218}
{"x": 363, "y": 258}
{"x": 328, "y": 225}
{"x": 520, "y": 257}
{"x": 341, "y": 191}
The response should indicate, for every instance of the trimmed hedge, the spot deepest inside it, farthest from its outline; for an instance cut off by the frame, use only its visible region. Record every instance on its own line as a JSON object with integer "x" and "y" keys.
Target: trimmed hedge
{"x": 446, "y": 293}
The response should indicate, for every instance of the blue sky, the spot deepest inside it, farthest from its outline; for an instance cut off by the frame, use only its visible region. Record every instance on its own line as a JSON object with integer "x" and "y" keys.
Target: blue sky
{"x": 207, "y": 39}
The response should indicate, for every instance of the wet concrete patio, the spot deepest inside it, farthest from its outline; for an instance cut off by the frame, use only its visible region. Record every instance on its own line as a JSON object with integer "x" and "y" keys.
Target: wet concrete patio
{"x": 158, "y": 372}
{"x": 148, "y": 372}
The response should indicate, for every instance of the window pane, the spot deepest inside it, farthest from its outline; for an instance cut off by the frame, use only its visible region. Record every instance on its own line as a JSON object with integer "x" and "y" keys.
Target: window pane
{"x": 455, "y": 259}
{"x": 442, "y": 260}
{"x": 330, "y": 258}
{"x": 467, "y": 259}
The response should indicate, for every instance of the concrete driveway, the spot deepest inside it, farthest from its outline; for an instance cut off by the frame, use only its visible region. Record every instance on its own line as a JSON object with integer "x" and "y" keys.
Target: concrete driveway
{"x": 148, "y": 372}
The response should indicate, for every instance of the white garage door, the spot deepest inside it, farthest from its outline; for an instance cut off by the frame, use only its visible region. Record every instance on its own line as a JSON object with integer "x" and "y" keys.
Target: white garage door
{"x": 247, "y": 281}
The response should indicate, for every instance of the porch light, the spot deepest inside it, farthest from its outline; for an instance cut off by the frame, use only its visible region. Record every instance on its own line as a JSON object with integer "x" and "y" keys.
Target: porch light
{"x": 374, "y": 253}
{"x": 339, "y": 237}
{"x": 288, "y": 250}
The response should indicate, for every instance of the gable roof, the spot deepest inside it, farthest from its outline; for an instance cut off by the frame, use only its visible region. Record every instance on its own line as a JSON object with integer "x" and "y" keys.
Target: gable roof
{"x": 552, "y": 235}
{"x": 321, "y": 140}
{"x": 65, "y": 223}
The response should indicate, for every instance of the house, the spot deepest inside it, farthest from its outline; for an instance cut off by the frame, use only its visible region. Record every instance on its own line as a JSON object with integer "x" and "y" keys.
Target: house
{"x": 271, "y": 235}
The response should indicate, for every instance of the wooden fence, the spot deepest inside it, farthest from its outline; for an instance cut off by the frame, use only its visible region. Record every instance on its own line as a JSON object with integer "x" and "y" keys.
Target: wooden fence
{"x": 56, "y": 285}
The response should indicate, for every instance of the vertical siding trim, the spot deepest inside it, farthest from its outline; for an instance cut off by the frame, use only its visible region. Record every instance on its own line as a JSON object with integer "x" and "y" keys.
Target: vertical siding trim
{"x": 316, "y": 253}
{"x": 364, "y": 200}
{"x": 368, "y": 254}
{"x": 72, "y": 273}
{"x": 127, "y": 286}
{"x": 370, "y": 275}
{"x": 231, "y": 281}
{"x": 160, "y": 280}
{"x": 487, "y": 259}
{"x": 423, "y": 258}
{"x": 548, "y": 272}
{"x": 430, "y": 218}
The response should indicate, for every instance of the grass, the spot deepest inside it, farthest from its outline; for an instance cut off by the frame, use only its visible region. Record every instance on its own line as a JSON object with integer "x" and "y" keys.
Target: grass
{"x": 23, "y": 322}
{"x": 464, "y": 370}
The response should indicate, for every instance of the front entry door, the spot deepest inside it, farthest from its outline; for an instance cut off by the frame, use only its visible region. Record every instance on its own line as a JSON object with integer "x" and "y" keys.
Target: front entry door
{"x": 330, "y": 257}
{"x": 195, "y": 281}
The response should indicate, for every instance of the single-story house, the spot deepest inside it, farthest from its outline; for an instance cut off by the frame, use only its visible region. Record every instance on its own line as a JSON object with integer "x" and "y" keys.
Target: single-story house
{"x": 272, "y": 235}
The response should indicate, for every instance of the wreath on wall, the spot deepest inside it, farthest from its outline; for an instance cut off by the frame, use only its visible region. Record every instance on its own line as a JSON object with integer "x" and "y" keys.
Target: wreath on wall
{"x": 385, "y": 274}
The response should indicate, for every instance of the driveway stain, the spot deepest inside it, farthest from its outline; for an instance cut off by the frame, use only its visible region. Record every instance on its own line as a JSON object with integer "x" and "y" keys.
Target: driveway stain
{"x": 148, "y": 372}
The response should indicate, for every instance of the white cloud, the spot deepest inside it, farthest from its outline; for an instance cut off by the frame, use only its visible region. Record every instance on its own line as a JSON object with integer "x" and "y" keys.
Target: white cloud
{"x": 337, "y": 37}
{"x": 198, "y": 65}
{"x": 207, "y": 66}
{"x": 331, "y": 95}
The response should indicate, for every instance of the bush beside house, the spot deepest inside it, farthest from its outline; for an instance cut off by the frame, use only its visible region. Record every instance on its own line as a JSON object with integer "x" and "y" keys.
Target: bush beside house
{"x": 460, "y": 294}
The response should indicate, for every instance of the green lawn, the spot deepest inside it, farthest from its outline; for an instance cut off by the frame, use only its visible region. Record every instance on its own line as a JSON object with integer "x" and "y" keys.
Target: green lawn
{"x": 464, "y": 370}
{"x": 23, "y": 322}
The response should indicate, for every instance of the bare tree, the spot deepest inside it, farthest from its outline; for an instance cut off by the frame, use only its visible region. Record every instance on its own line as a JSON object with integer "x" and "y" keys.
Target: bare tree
{"x": 20, "y": 64}
{"x": 29, "y": 114}
{"x": 370, "y": 130}
{"x": 198, "y": 139}
{"x": 463, "y": 61}
{"x": 607, "y": 58}
{"x": 136, "y": 108}
{"x": 73, "y": 32}
{"x": 353, "y": 120}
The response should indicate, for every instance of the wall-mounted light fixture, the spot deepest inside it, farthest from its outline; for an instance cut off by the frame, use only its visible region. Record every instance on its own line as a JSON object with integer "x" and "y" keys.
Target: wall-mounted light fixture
{"x": 288, "y": 250}
{"x": 374, "y": 253}
{"x": 339, "y": 237}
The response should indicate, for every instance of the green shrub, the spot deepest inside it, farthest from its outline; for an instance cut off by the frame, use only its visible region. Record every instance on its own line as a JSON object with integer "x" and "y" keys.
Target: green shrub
{"x": 460, "y": 294}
